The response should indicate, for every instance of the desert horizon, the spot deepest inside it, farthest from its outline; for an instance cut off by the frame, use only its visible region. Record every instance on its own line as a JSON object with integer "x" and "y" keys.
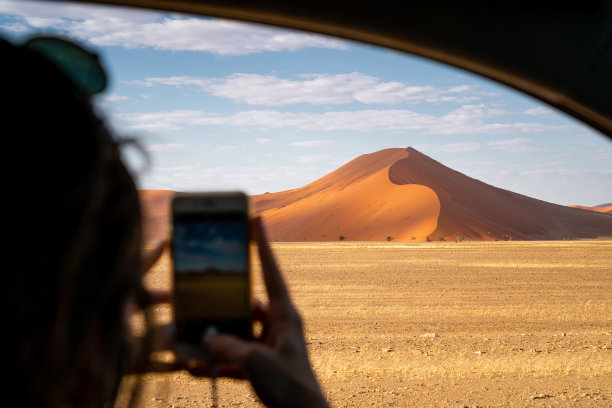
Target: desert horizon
{"x": 512, "y": 314}
{"x": 402, "y": 195}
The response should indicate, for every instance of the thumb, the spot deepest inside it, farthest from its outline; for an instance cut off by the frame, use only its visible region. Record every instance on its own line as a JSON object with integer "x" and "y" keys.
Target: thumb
{"x": 228, "y": 348}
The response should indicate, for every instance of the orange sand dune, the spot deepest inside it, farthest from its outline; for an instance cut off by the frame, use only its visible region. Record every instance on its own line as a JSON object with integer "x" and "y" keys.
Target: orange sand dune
{"x": 337, "y": 180}
{"x": 478, "y": 211}
{"x": 403, "y": 195}
{"x": 604, "y": 209}
{"x": 398, "y": 192}
{"x": 370, "y": 208}
{"x": 155, "y": 210}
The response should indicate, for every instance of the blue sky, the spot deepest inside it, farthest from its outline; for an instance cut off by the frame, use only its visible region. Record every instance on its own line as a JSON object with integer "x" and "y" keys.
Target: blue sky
{"x": 209, "y": 244}
{"x": 227, "y": 105}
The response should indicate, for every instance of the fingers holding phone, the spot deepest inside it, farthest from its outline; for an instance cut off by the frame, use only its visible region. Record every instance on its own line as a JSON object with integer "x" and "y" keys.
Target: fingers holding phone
{"x": 213, "y": 306}
{"x": 278, "y": 366}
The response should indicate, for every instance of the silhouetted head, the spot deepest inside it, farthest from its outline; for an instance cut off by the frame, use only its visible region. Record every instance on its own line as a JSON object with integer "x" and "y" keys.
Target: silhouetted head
{"x": 74, "y": 231}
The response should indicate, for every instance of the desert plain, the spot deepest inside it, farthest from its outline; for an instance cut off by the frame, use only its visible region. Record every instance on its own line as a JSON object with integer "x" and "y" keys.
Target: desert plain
{"x": 441, "y": 324}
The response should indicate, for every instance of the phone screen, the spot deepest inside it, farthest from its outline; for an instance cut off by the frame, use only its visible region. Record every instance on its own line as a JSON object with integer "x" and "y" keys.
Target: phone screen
{"x": 211, "y": 273}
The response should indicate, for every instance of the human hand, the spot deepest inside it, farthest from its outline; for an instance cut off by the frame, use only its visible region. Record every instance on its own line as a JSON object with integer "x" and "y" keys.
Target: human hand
{"x": 277, "y": 365}
{"x": 158, "y": 337}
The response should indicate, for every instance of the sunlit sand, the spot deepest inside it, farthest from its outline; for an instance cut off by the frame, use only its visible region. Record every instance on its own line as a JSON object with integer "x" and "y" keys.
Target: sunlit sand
{"x": 439, "y": 324}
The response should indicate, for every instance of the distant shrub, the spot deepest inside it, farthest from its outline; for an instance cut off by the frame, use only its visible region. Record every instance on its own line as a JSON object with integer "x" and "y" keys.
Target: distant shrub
{"x": 441, "y": 239}
{"x": 341, "y": 237}
{"x": 412, "y": 238}
{"x": 459, "y": 238}
{"x": 389, "y": 238}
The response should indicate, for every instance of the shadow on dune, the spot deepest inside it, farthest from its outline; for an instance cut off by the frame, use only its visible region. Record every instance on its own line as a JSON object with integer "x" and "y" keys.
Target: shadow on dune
{"x": 478, "y": 211}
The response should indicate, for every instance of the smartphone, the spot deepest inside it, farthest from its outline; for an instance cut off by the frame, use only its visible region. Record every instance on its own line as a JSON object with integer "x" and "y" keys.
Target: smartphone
{"x": 211, "y": 267}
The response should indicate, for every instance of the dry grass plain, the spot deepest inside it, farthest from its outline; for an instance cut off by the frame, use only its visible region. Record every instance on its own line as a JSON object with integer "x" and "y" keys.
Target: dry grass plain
{"x": 439, "y": 324}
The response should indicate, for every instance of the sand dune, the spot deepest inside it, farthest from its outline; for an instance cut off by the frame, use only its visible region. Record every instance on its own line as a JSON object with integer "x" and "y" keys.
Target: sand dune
{"x": 605, "y": 208}
{"x": 403, "y": 195}
{"x": 370, "y": 208}
{"x": 155, "y": 210}
{"x": 398, "y": 192}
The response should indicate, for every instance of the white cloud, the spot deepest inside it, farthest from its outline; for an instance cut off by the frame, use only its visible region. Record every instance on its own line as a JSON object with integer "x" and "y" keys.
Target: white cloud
{"x": 225, "y": 148}
{"x": 15, "y": 28}
{"x": 456, "y": 164}
{"x": 449, "y": 147}
{"x": 497, "y": 112}
{"x": 539, "y": 111}
{"x": 157, "y": 121}
{"x": 252, "y": 179}
{"x": 469, "y": 119}
{"x": 519, "y": 145}
{"x": 314, "y": 158}
{"x": 460, "y": 89}
{"x": 115, "y": 97}
{"x": 314, "y": 89}
{"x": 263, "y": 140}
{"x": 224, "y": 246}
{"x": 516, "y": 145}
{"x": 132, "y": 28}
{"x": 311, "y": 143}
{"x": 543, "y": 172}
{"x": 166, "y": 147}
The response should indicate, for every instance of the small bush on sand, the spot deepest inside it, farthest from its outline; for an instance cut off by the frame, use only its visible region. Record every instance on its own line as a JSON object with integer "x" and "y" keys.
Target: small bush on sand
{"x": 341, "y": 237}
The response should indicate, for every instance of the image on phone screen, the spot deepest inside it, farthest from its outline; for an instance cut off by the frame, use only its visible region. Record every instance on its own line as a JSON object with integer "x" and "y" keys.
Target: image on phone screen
{"x": 211, "y": 275}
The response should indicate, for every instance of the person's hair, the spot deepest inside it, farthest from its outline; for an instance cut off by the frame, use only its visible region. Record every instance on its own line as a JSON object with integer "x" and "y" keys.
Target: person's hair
{"x": 75, "y": 237}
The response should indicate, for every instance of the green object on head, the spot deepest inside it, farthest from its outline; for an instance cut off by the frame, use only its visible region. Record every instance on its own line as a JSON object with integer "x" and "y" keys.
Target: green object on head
{"x": 80, "y": 65}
